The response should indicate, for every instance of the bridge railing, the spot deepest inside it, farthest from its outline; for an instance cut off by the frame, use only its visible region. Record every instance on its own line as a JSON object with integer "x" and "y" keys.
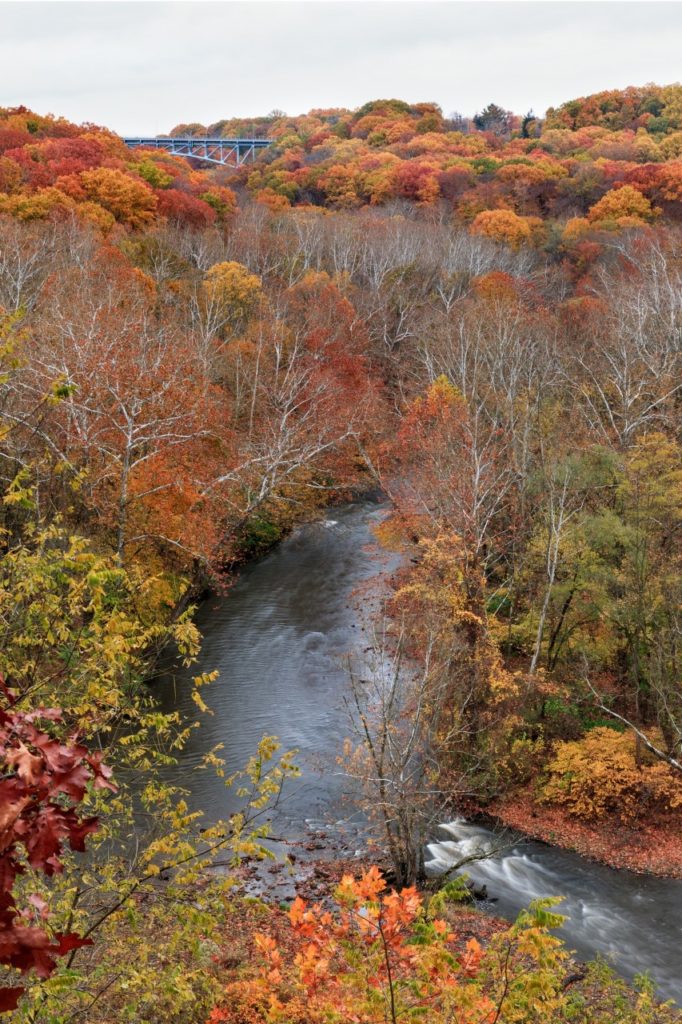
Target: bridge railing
{"x": 228, "y": 152}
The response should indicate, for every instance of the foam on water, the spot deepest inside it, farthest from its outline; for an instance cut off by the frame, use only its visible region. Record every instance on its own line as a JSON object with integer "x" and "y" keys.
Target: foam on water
{"x": 278, "y": 639}
{"x": 634, "y": 920}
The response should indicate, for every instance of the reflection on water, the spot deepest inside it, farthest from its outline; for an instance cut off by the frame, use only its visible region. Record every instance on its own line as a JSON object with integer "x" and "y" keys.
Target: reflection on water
{"x": 279, "y": 638}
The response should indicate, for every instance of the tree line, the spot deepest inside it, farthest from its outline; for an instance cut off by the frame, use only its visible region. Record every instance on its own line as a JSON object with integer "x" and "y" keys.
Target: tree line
{"x": 195, "y": 360}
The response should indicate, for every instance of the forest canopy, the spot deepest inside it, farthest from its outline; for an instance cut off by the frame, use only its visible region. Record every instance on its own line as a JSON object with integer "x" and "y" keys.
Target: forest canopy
{"x": 478, "y": 317}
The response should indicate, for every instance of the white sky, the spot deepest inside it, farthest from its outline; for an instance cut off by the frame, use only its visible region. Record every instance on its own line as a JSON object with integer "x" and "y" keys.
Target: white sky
{"x": 141, "y": 68}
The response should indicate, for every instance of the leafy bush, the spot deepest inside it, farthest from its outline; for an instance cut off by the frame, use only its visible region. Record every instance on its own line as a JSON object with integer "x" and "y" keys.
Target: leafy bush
{"x": 599, "y": 775}
{"x": 522, "y": 760}
{"x": 382, "y": 957}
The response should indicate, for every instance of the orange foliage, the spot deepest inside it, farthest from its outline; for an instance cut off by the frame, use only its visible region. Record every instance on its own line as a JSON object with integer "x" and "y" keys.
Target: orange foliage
{"x": 131, "y": 202}
{"x": 92, "y": 166}
{"x": 184, "y": 209}
{"x": 381, "y": 957}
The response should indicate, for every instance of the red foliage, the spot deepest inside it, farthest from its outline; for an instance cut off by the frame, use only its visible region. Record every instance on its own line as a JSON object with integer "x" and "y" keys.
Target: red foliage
{"x": 42, "y": 779}
{"x": 417, "y": 181}
{"x": 184, "y": 209}
{"x": 335, "y": 344}
{"x": 454, "y": 181}
{"x": 13, "y": 138}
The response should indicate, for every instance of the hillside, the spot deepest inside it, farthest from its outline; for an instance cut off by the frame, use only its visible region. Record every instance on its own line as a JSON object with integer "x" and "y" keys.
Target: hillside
{"x": 478, "y": 319}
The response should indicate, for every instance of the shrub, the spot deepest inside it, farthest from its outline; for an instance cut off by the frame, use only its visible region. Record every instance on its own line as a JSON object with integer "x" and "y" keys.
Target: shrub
{"x": 520, "y": 764}
{"x": 381, "y": 957}
{"x": 598, "y": 775}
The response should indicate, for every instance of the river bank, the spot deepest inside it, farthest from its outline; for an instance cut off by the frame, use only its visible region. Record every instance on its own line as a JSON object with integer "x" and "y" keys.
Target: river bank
{"x": 281, "y": 639}
{"x": 652, "y": 848}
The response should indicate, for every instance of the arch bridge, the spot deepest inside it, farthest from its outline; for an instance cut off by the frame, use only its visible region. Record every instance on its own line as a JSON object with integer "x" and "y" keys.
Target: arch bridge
{"x": 228, "y": 152}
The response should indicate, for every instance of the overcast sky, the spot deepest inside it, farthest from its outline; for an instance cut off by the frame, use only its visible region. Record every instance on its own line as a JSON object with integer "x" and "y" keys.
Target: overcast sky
{"x": 144, "y": 67}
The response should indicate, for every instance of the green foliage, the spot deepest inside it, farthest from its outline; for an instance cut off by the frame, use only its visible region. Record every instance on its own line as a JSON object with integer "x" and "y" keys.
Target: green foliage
{"x": 78, "y": 629}
{"x": 152, "y": 173}
{"x": 260, "y": 534}
{"x": 157, "y": 918}
{"x": 536, "y": 486}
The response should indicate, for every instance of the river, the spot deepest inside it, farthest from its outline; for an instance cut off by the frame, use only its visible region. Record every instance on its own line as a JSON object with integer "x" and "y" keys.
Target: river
{"x": 280, "y": 638}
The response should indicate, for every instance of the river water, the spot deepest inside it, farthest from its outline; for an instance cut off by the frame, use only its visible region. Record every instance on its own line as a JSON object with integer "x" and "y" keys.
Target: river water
{"x": 281, "y": 638}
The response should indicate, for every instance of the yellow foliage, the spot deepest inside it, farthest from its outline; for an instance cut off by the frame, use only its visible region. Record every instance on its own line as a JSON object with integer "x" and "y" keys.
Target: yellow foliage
{"x": 598, "y": 775}
{"x": 502, "y": 226}
{"x": 93, "y": 213}
{"x": 131, "y": 202}
{"x": 671, "y": 146}
{"x": 231, "y": 285}
{"x": 35, "y": 205}
{"x": 381, "y": 949}
{"x": 619, "y": 203}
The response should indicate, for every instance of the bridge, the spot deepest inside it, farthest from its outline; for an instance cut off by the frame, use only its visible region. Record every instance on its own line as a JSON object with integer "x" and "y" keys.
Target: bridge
{"x": 228, "y": 152}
